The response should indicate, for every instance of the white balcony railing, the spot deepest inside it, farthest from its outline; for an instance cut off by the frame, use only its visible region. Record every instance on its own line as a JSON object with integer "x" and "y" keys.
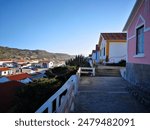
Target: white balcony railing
{"x": 86, "y": 70}
{"x": 63, "y": 100}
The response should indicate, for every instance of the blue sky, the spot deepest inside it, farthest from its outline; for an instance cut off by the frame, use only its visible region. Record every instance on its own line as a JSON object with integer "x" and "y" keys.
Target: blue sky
{"x": 64, "y": 26}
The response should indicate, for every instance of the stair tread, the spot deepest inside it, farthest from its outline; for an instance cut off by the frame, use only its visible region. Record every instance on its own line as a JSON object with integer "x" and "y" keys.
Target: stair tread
{"x": 108, "y": 72}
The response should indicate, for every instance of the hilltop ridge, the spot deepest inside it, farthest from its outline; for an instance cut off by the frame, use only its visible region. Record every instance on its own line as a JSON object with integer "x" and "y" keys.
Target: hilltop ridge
{"x": 26, "y": 54}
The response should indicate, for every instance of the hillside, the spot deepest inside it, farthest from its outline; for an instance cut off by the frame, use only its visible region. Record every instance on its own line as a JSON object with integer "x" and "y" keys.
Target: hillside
{"x": 17, "y": 54}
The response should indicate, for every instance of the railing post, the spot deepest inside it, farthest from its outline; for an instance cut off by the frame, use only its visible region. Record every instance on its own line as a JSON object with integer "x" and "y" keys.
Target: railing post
{"x": 72, "y": 82}
{"x": 75, "y": 83}
{"x": 50, "y": 108}
{"x": 93, "y": 71}
{"x": 79, "y": 71}
{"x": 57, "y": 102}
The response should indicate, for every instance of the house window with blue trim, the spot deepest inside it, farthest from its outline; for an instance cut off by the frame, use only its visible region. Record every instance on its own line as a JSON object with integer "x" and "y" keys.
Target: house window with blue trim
{"x": 140, "y": 40}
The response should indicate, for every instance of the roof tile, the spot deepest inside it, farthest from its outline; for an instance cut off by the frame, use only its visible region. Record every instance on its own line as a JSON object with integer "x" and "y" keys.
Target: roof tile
{"x": 114, "y": 36}
{"x": 4, "y": 69}
{"x": 19, "y": 76}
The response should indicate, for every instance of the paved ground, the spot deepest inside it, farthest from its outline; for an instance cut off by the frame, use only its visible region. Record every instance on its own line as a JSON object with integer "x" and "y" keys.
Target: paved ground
{"x": 106, "y": 95}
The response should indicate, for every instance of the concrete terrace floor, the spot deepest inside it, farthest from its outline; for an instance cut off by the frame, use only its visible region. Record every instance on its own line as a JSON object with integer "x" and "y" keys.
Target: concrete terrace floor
{"x": 106, "y": 95}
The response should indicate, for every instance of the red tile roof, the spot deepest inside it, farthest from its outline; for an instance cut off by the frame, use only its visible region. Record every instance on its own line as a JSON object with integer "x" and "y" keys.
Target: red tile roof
{"x": 114, "y": 36}
{"x": 21, "y": 61}
{"x": 11, "y": 84}
{"x": 7, "y": 94}
{"x": 19, "y": 76}
{"x": 4, "y": 69}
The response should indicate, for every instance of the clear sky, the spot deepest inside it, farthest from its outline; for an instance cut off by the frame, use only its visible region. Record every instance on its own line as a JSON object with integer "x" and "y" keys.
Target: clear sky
{"x": 68, "y": 26}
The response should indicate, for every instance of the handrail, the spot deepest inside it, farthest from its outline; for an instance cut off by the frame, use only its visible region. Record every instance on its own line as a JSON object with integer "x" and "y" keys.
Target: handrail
{"x": 63, "y": 99}
{"x": 85, "y": 70}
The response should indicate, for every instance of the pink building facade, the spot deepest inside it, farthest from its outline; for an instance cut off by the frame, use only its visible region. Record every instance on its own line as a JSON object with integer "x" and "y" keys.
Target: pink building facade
{"x": 138, "y": 44}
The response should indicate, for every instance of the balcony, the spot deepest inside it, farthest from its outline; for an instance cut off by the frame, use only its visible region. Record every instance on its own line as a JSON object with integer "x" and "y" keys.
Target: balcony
{"x": 93, "y": 94}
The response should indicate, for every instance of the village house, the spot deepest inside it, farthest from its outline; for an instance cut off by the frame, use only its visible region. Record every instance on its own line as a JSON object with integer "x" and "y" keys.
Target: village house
{"x": 97, "y": 55}
{"x": 5, "y": 61}
{"x": 138, "y": 44}
{"x": 10, "y": 64}
{"x": 94, "y": 56}
{"x": 5, "y": 71}
{"x": 23, "y": 78}
{"x": 47, "y": 64}
{"x": 21, "y": 62}
{"x": 112, "y": 47}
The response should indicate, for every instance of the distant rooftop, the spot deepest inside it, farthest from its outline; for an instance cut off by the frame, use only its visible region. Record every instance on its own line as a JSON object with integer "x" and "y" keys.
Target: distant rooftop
{"x": 4, "y": 69}
{"x": 19, "y": 76}
{"x": 114, "y": 36}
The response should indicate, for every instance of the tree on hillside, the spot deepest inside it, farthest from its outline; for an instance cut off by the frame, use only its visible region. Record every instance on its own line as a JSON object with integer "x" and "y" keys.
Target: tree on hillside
{"x": 78, "y": 61}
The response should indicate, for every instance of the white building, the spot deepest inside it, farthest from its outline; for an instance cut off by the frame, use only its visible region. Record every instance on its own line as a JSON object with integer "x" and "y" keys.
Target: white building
{"x": 112, "y": 47}
{"x": 50, "y": 64}
{"x": 94, "y": 56}
{"x": 5, "y": 71}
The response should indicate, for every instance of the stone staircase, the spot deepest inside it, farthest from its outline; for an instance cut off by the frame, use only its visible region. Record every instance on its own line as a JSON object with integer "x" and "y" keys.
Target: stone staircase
{"x": 107, "y": 71}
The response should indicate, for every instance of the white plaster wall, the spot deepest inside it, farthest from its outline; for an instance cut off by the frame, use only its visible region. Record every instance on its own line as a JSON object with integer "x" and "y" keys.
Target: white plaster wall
{"x": 103, "y": 44}
{"x": 98, "y": 56}
{"x": 117, "y": 51}
{"x": 1, "y": 63}
{"x": 93, "y": 56}
{"x": 50, "y": 64}
{"x": 4, "y": 73}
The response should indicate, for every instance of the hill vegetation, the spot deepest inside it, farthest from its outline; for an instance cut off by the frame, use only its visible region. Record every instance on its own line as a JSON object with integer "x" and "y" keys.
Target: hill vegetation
{"x": 17, "y": 54}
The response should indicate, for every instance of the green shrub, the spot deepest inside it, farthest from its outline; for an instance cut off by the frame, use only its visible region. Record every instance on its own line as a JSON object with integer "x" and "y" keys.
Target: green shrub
{"x": 78, "y": 61}
{"x": 31, "y": 96}
{"x": 121, "y": 63}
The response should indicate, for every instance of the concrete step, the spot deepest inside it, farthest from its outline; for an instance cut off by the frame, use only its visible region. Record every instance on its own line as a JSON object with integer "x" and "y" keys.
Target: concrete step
{"x": 108, "y": 72}
{"x": 106, "y": 95}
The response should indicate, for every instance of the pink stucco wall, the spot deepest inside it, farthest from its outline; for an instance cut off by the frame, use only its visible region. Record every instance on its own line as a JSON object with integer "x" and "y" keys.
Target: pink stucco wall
{"x": 141, "y": 17}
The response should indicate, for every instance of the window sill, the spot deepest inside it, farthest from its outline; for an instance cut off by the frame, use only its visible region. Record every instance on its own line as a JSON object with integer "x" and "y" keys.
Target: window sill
{"x": 139, "y": 55}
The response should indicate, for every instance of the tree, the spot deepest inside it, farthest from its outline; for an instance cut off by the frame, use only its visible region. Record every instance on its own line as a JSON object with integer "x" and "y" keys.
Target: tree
{"x": 78, "y": 61}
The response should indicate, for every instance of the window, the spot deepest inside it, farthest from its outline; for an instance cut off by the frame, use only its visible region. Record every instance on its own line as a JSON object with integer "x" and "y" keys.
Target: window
{"x": 140, "y": 40}
{"x": 104, "y": 51}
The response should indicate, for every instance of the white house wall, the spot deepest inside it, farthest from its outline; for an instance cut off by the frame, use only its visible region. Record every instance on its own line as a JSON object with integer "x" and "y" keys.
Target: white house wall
{"x": 103, "y": 45}
{"x": 97, "y": 56}
{"x": 117, "y": 52}
{"x": 7, "y": 72}
{"x": 94, "y": 56}
{"x": 50, "y": 64}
